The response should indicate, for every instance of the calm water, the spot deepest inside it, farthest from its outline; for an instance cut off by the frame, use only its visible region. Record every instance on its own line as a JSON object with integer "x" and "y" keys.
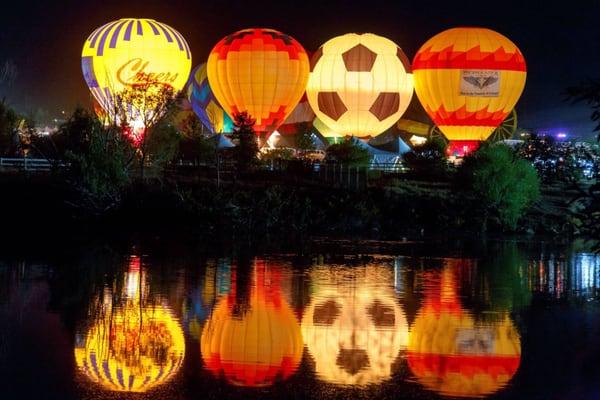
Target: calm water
{"x": 498, "y": 320}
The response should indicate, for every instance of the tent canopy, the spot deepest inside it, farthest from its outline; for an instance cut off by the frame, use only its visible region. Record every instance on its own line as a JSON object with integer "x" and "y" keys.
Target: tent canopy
{"x": 221, "y": 141}
{"x": 378, "y": 156}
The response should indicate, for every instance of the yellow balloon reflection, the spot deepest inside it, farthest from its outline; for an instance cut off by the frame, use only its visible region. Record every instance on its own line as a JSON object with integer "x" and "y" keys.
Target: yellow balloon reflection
{"x": 131, "y": 345}
{"x": 254, "y": 343}
{"x": 354, "y": 328}
{"x": 451, "y": 353}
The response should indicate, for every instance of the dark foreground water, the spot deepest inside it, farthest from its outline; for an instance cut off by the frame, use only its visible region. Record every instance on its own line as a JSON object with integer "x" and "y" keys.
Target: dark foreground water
{"x": 498, "y": 320}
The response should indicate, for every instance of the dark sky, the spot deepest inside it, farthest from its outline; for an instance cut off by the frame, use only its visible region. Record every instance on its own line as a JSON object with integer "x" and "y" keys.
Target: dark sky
{"x": 560, "y": 39}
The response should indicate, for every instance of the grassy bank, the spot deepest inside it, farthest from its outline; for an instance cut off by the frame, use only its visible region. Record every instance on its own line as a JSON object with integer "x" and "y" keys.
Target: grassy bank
{"x": 262, "y": 210}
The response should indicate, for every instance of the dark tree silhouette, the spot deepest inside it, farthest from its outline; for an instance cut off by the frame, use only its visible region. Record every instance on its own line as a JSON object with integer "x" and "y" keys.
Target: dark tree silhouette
{"x": 589, "y": 93}
{"x": 247, "y": 145}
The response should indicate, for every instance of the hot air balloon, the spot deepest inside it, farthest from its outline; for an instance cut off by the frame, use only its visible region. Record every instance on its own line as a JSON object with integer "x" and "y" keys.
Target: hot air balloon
{"x": 453, "y": 354}
{"x": 134, "y": 53}
{"x": 359, "y": 85}
{"x": 301, "y": 115}
{"x": 132, "y": 344}
{"x": 254, "y": 342}
{"x": 353, "y": 327}
{"x": 204, "y": 103}
{"x": 468, "y": 80}
{"x": 261, "y": 71}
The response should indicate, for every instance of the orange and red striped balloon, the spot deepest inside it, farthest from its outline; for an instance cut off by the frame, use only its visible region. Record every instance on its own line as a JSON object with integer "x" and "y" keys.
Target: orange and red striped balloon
{"x": 469, "y": 80}
{"x": 261, "y": 71}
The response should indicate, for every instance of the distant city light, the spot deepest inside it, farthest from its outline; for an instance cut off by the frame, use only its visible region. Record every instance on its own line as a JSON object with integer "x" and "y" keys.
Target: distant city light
{"x": 561, "y": 135}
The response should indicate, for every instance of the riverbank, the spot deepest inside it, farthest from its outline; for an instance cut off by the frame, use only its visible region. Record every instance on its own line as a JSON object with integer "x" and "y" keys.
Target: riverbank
{"x": 257, "y": 210}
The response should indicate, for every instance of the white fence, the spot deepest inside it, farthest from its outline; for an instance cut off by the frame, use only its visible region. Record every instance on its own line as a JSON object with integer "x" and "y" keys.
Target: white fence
{"x": 27, "y": 164}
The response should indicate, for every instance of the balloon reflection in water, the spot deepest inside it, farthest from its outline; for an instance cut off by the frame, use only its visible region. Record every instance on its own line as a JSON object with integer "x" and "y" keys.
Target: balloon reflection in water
{"x": 132, "y": 345}
{"x": 197, "y": 306}
{"x": 354, "y": 328}
{"x": 255, "y": 342}
{"x": 451, "y": 353}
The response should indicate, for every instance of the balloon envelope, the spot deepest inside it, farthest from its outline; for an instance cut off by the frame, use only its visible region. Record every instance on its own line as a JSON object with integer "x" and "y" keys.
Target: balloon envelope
{"x": 205, "y": 104}
{"x": 469, "y": 80}
{"x": 261, "y": 71}
{"x": 359, "y": 85}
{"x": 130, "y": 53}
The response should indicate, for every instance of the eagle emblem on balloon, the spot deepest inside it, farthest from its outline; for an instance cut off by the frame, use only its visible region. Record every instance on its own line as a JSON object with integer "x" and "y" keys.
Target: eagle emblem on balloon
{"x": 481, "y": 82}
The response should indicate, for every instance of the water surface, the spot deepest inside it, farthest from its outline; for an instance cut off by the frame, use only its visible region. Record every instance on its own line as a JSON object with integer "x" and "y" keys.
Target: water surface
{"x": 496, "y": 320}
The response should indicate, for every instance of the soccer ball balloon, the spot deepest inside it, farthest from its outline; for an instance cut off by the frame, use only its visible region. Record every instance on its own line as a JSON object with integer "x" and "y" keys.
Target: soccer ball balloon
{"x": 359, "y": 85}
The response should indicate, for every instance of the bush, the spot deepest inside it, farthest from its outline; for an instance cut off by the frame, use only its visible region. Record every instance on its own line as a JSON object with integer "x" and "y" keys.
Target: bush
{"x": 348, "y": 153}
{"x": 501, "y": 184}
{"x": 9, "y": 135}
{"x": 100, "y": 159}
{"x": 429, "y": 159}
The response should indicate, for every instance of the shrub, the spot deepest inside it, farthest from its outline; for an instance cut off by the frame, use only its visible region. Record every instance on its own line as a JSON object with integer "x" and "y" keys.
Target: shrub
{"x": 428, "y": 159}
{"x": 348, "y": 153}
{"x": 501, "y": 184}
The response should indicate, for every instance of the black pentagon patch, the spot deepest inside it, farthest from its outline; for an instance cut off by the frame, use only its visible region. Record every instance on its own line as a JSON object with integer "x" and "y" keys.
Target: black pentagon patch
{"x": 404, "y": 60}
{"x": 359, "y": 59}
{"x": 331, "y": 105}
{"x": 315, "y": 58}
{"x": 352, "y": 360}
{"x": 326, "y": 313}
{"x": 385, "y": 105}
{"x": 381, "y": 315}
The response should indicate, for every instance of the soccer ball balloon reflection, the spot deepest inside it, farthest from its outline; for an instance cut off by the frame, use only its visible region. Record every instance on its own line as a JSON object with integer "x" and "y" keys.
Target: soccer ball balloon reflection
{"x": 353, "y": 328}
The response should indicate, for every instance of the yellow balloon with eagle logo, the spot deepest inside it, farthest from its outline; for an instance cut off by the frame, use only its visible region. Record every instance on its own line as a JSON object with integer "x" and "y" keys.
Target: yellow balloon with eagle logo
{"x": 469, "y": 80}
{"x": 131, "y": 52}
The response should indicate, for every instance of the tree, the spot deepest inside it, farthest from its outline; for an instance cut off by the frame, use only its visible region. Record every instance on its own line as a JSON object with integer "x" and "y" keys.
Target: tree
{"x": 560, "y": 161}
{"x": 348, "y": 153}
{"x": 502, "y": 184}
{"x": 139, "y": 109}
{"x": 429, "y": 158}
{"x": 8, "y": 74}
{"x": 589, "y": 216}
{"x": 304, "y": 137}
{"x": 589, "y": 93}
{"x": 194, "y": 146}
{"x": 99, "y": 157}
{"x": 9, "y": 130}
{"x": 246, "y": 151}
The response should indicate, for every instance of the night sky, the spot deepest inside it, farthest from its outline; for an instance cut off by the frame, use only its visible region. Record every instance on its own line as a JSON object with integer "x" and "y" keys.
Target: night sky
{"x": 560, "y": 40}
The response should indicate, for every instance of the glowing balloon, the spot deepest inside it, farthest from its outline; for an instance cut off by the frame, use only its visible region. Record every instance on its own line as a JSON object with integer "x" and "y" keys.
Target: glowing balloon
{"x": 353, "y": 328}
{"x": 132, "y": 344}
{"x": 204, "y": 103}
{"x": 261, "y": 71}
{"x": 359, "y": 85}
{"x": 130, "y": 53}
{"x": 469, "y": 80}
{"x": 254, "y": 343}
{"x": 455, "y": 355}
